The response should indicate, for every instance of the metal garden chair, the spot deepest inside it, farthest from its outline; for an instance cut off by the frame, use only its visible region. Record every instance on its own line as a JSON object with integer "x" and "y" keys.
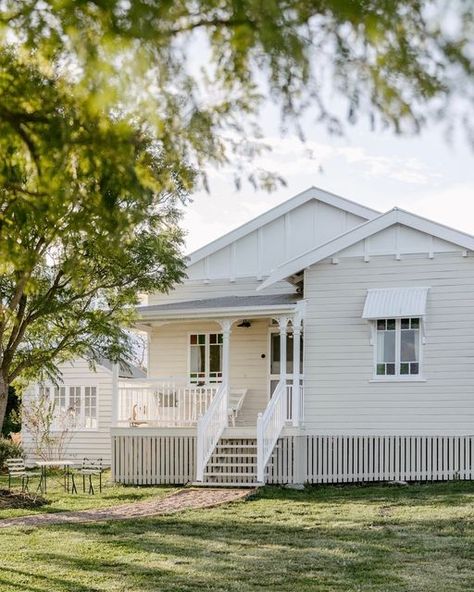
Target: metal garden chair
{"x": 90, "y": 468}
{"x": 17, "y": 470}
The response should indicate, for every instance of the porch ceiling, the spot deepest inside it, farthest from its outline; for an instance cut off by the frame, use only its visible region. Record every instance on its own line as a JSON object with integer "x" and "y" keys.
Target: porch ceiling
{"x": 227, "y": 306}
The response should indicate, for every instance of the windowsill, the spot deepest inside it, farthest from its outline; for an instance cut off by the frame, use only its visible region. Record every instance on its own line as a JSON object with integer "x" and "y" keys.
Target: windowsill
{"x": 398, "y": 379}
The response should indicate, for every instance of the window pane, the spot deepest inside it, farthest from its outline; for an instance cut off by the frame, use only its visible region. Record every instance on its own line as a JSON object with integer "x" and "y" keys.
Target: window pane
{"x": 193, "y": 339}
{"x": 74, "y": 410}
{"x": 381, "y": 325}
{"x": 215, "y": 358}
{"x": 414, "y": 368}
{"x": 90, "y": 407}
{"x": 415, "y": 323}
{"x": 404, "y": 368}
{"x": 198, "y": 358}
{"x": 275, "y": 354}
{"x": 390, "y": 369}
{"x": 405, "y": 323}
{"x": 390, "y": 324}
{"x": 409, "y": 345}
{"x": 380, "y": 369}
{"x": 201, "y": 339}
{"x": 385, "y": 346}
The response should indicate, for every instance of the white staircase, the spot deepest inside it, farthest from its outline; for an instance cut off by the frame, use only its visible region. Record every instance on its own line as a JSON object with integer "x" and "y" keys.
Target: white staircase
{"x": 233, "y": 463}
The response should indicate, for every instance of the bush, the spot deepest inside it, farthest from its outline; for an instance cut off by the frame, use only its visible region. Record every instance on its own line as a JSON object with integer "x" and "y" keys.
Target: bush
{"x": 8, "y": 449}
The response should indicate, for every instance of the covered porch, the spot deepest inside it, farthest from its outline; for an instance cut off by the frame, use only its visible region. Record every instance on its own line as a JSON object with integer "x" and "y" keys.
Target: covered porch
{"x": 193, "y": 351}
{"x": 216, "y": 371}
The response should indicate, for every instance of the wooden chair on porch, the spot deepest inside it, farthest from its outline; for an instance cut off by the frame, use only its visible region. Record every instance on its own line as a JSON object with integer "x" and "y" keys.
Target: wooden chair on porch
{"x": 236, "y": 400}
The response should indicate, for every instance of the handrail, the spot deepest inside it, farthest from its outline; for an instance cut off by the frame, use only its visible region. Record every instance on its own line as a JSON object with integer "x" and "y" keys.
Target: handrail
{"x": 269, "y": 427}
{"x": 209, "y": 429}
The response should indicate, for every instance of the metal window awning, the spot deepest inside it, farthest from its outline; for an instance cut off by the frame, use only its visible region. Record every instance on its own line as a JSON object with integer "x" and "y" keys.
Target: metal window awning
{"x": 385, "y": 303}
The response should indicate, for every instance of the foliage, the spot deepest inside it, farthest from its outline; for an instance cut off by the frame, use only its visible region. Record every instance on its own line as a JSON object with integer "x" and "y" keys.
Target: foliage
{"x": 400, "y": 63}
{"x": 8, "y": 449}
{"x": 88, "y": 221}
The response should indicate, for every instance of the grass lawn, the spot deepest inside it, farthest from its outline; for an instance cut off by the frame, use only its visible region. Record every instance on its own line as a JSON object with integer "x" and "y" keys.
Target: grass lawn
{"x": 375, "y": 538}
{"x": 60, "y": 501}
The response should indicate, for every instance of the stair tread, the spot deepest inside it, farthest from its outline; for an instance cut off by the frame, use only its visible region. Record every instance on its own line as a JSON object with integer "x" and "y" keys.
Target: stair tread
{"x": 236, "y": 464}
{"x": 233, "y": 474}
{"x": 234, "y": 455}
{"x": 238, "y": 484}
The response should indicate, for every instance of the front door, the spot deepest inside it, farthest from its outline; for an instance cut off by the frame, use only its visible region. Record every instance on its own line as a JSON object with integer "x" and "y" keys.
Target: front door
{"x": 275, "y": 358}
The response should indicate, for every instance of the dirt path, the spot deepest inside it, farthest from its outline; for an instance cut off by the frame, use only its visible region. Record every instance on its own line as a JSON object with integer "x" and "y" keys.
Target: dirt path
{"x": 185, "y": 499}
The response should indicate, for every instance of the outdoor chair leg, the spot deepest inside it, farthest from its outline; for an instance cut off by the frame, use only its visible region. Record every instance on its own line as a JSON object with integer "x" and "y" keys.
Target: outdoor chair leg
{"x": 100, "y": 482}
{"x": 73, "y": 484}
{"x": 91, "y": 487}
{"x": 83, "y": 483}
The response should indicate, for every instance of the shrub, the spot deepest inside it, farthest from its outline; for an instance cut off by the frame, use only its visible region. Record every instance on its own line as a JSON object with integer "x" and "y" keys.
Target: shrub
{"x": 9, "y": 449}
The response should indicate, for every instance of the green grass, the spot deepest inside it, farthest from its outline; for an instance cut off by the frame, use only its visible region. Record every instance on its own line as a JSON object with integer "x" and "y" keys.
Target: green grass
{"x": 375, "y": 538}
{"x": 60, "y": 501}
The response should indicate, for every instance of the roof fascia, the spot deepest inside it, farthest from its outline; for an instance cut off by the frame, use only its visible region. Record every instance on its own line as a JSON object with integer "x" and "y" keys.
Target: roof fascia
{"x": 206, "y": 313}
{"x": 279, "y": 210}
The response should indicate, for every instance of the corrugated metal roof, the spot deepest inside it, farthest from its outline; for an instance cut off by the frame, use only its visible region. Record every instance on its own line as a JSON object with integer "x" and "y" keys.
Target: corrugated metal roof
{"x": 385, "y": 303}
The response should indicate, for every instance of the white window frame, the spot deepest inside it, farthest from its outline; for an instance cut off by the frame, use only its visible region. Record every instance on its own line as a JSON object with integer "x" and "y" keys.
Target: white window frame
{"x": 207, "y": 362}
{"x": 397, "y": 377}
{"x": 82, "y": 385}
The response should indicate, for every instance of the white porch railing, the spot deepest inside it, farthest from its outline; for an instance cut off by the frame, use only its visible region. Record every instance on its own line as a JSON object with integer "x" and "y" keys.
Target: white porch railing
{"x": 269, "y": 427}
{"x": 209, "y": 429}
{"x": 291, "y": 415}
{"x": 166, "y": 403}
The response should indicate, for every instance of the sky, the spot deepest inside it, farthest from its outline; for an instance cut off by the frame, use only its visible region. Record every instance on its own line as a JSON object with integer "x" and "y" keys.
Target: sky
{"x": 425, "y": 174}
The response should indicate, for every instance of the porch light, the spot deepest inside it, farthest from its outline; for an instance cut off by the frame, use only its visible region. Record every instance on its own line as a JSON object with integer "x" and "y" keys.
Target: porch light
{"x": 245, "y": 323}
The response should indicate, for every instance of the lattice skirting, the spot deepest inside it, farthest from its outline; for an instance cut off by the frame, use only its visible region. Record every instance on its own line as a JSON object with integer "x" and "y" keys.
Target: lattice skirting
{"x": 312, "y": 459}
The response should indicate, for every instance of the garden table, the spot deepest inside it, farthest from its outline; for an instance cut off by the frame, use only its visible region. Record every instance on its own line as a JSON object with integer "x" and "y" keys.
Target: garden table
{"x": 66, "y": 463}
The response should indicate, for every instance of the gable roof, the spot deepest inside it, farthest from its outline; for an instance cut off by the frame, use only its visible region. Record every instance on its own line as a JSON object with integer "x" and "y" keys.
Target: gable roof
{"x": 361, "y": 232}
{"x": 267, "y": 217}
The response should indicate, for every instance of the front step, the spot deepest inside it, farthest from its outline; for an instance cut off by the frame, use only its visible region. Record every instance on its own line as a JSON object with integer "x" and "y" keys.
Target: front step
{"x": 230, "y": 485}
{"x": 232, "y": 464}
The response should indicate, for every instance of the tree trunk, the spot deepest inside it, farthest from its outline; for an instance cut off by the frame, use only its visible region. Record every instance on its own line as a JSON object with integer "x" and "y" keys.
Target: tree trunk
{"x": 3, "y": 400}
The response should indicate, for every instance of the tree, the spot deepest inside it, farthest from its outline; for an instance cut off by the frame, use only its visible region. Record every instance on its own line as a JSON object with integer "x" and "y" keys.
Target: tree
{"x": 399, "y": 63}
{"x": 88, "y": 221}
{"x": 110, "y": 111}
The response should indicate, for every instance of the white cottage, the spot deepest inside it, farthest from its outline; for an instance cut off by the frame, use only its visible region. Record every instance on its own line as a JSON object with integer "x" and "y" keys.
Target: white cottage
{"x": 82, "y": 400}
{"x": 373, "y": 316}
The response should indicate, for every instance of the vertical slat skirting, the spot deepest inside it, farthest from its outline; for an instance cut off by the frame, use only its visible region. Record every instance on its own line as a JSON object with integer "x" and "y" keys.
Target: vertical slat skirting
{"x": 153, "y": 460}
{"x": 344, "y": 459}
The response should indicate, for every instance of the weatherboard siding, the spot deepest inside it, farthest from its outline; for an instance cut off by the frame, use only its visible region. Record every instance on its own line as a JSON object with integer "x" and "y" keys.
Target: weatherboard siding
{"x": 339, "y": 397}
{"x": 169, "y": 356}
{"x": 87, "y": 443}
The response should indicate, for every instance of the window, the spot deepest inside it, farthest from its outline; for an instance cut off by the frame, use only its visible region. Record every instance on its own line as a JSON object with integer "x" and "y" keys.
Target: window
{"x": 75, "y": 407}
{"x": 398, "y": 347}
{"x": 205, "y": 357}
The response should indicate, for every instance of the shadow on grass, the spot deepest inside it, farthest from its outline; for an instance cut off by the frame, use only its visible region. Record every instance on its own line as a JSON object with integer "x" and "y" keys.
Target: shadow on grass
{"x": 321, "y": 539}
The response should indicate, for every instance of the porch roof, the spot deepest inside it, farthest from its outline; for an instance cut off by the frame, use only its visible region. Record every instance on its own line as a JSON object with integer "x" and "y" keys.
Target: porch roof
{"x": 260, "y": 305}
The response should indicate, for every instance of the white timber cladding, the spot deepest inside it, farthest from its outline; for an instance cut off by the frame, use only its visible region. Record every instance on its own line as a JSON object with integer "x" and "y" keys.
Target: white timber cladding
{"x": 169, "y": 356}
{"x": 340, "y": 397}
{"x": 262, "y": 250}
{"x": 91, "y": 443}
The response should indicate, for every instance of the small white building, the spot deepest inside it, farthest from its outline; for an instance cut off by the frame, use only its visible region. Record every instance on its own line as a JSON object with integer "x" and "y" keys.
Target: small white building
{"x": 83, "y": 405}
{"x": 374, "y": 316}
